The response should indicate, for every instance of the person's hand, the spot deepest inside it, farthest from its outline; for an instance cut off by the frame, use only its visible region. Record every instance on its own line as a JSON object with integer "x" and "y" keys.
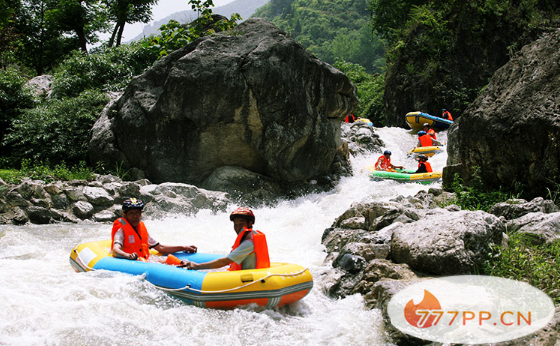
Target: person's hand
{"x": 191, "y": 265}
{"x": 132, "y": 256}
{"x": 189, "y": 249}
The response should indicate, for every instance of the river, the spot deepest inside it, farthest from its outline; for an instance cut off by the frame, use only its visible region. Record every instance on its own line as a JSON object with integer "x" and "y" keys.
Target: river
{"x": 44, "y": 302}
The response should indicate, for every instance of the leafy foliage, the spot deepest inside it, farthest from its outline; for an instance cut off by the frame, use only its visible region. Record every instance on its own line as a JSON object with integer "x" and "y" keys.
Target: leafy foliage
{"x": 175, "y": 35}
{"x": 435, "y": 45}
{"x": 57, "y": 130}
{"x": 370, "y": 91}
{"x": 476, "y": 196}
{"x": 329, "y": 29}
{"x": 110, "y": 69}
{"x": 524, "y": 260}
{"x": 15, "y": 97}
{"x": 40, "y": 171}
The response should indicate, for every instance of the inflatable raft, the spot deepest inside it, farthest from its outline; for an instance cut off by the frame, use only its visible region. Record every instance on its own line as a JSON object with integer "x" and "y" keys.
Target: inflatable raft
{"x": 404, "y": 175}
{"x": 428, "y": 151}
{"x": 281, "y": 284}
{"x": 416, "y": 120}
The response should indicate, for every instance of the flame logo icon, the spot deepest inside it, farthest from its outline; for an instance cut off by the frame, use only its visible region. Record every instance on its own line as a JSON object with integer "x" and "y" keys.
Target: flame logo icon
{"x": 429, "y": 302}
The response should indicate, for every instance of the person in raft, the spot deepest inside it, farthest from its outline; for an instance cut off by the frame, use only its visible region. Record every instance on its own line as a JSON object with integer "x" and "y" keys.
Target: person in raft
{"x": 424, "y": 140}
{"x": 446, "y": 115}
{"x": 429, "y": 131}
{"x": 384, "y": 163}
{"x": 423, "y": 165}
{"x": 130, "y": 238}
{"x": 249, "y": 251}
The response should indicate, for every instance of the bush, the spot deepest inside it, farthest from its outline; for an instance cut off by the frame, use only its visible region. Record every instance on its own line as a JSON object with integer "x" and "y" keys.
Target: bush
{"x": 109, "y": 69}
{"x": 40, "y": 171}
{"x": 536, "y": 264}
{"x": 58, "y": 130}
{"x": 476, "y": 196}
{"x": 370, "y": 91}
{"x": 14, "y": 98}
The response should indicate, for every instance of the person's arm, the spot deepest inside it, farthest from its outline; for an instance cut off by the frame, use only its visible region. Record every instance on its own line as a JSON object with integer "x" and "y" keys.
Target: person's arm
{"x": 174, "y": 248}
{"x": 118, "y": 252}
{"x": 217, "y": 263}
{"x": 436, "y": 143}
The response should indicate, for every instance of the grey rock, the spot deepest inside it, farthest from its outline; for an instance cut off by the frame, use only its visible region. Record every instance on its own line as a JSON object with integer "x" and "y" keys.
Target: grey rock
{"x": 515, "y": 119}
{"x": 39, "y": 215}
{"x": 449, "y": 244}
{"x": 98, "y": 196}
{"x": 543, "y": 227}
{"x": 515, "y": 208}
{"x": 83, "y": 210}
{"x": 276, "y": 112}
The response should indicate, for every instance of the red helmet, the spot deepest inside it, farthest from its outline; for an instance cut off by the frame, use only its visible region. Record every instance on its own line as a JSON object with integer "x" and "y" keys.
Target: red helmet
{"x": 243, "y": 212}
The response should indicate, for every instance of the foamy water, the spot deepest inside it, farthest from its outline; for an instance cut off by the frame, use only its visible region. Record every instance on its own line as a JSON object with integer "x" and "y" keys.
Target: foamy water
{"x": 44, "y": 302}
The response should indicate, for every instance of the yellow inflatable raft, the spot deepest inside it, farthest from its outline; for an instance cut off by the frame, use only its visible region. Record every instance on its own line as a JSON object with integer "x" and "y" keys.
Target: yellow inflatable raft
{"x": 428, "y": 151}
{"x": 281, "y": 284}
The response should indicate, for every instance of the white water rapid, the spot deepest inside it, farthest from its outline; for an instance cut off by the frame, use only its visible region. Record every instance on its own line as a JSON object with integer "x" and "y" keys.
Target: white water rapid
{"x": 44, "y": 302}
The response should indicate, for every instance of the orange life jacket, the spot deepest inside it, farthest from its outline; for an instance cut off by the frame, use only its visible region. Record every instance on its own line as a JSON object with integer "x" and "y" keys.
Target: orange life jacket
{"x": 134, "y": 241}
{"x": 383, "y": 163}
{"x": 447, "y": 115}
{"x": 260, "y": 249}
{"x": 425, "y": 141}
{"x": 432, "y": 133}
{"x": 349, "y": 118}
{"x": 428, "y": 166}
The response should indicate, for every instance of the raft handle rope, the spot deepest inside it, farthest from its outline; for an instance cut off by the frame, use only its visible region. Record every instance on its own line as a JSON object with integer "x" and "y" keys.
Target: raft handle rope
{"x": 81, "y": 262}
{"x": 188, "y": 287}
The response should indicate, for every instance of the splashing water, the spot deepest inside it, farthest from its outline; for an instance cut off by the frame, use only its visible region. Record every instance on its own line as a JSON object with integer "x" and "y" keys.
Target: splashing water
{"x": 44, "y": 302}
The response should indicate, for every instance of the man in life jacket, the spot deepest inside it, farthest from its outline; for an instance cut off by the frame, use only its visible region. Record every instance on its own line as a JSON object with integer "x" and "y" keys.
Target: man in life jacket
{"x": 350, "y": 118}
{"x": 130, "y": 238}
{"x": 446, "y": 115}
{"x": 429, "y": 131}
{"x": 423, "y": 165}
{"x": 250, "y": 250}
{"x": 424, "y": 140}
{"x": 384, "y": 163}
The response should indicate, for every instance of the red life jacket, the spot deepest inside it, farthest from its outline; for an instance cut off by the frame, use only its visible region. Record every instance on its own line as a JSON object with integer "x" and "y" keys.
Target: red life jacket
{"x": 384, "y": 164}
{"x": 349, "y": 118}
{"x": 260, "y": 249}
{"x": 432, "y": 133}
{"x": 447, "y": 115}
{"x": 133, "y": 241}
{"x": 425, "y": 141}
{"x": 428, "y": 166}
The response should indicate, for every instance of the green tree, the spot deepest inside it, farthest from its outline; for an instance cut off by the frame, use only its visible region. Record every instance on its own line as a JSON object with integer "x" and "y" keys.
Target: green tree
{"x": 9, "y": 37}
{"x": 370, "y": 91}
{"x": 127, "y": 11}
{"x": 175, "y": 35}
{"x": 42, "y": 45}
{"x": 83, "y": 18}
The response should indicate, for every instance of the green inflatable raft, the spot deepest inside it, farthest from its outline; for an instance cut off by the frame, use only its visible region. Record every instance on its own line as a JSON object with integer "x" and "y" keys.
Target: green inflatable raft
{"x": 406, "y": 175}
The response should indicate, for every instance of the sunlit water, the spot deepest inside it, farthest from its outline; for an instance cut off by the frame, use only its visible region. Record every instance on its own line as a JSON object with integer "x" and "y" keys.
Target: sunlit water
{"x": 44, "y": 302}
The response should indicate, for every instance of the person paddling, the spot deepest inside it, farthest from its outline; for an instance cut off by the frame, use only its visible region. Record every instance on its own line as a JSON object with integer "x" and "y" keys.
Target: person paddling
{"x": 424, "y": 140}
{"x": 250, "y": 250}
{"x": 384, "y": 163}
{"x": 423, "y": 165}
{"x": 130, "y": 238}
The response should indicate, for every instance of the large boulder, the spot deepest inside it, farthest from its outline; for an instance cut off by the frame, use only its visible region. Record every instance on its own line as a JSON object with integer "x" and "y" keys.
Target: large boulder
{"x": 250, "y": 98}
{"x": 512, "y": 130}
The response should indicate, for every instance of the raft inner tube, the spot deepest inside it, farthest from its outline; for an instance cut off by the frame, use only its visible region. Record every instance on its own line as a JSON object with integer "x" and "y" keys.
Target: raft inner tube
{"x": 281, "y": 284}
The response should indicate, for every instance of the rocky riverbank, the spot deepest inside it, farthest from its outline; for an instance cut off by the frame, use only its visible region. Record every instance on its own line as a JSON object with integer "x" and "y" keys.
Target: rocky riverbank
{"x": 100, "y": 200}
{"x": 377, "y": 249}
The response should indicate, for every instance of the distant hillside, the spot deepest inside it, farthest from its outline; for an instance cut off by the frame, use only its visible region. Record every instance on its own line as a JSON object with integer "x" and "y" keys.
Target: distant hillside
{"x": 245, "y": 8}
{"x": 329, "y": 29}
